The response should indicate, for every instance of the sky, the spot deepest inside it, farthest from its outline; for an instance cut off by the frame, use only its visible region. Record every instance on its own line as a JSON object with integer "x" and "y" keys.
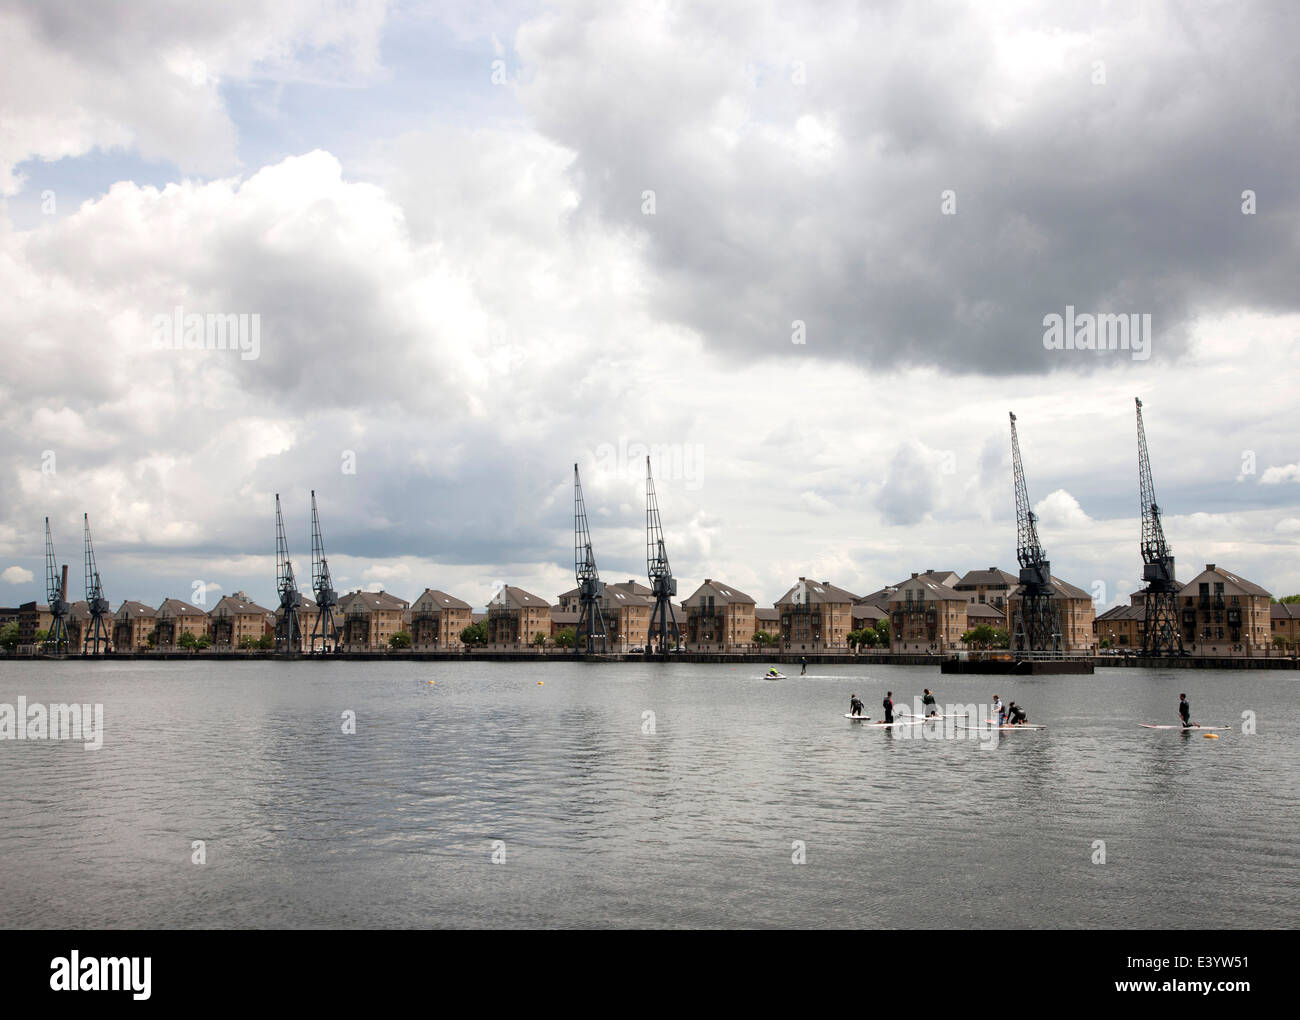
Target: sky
{"x": 805, "y": 257}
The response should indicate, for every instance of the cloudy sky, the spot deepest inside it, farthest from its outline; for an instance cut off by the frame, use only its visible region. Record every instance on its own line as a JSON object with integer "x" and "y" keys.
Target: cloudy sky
{"x": 801, "y": 253}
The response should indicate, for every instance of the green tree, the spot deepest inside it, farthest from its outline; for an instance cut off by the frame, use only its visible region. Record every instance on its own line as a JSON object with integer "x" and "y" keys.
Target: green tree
{"x": 202, "y": 641}
{"x": 187, "y": 640}
{"x": 763, "y": 637}
{"x": 1288, "y": 598}
{"x": 567, "y": 637}
{"x": 539, "y": 639}
{"x": 980, "y": 637}
{"x": 9, "y": 636}
{"x": 400, "y": 640}
{"x": 1280, "y": 641}
{"x": 475, "y": 634}
{"x": 882, "y": 631}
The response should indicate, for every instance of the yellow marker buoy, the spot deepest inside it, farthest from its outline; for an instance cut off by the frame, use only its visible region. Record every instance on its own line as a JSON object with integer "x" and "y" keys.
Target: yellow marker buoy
{"x": 539, "y": 683}
{"x": 1210, "y": 736}
{"x": 430, "y": 681}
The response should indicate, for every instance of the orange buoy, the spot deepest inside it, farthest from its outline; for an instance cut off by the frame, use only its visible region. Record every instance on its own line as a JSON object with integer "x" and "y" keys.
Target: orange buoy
{"x": 539, "y": 683}
{"x": 1210, "y": 736}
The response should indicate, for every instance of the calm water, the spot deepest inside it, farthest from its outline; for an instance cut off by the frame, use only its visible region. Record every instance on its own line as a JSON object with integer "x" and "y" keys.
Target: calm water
{"x": 604, "y": 825}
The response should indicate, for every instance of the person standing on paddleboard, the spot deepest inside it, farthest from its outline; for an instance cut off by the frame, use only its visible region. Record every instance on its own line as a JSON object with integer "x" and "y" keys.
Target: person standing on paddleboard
{"x": 927, "y": 703}
{"x": 803, "y": 665}
{"x": 888, "y": 705}
{"x": 999, "y": 713}
{"x": 1185, "y": 711}
{"x": 855, "y": 706}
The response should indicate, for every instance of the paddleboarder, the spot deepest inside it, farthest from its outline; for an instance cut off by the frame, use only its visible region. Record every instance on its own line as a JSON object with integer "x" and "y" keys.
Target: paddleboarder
{"x": 1016, "y": 715}
{"x": 999, "y": 713}
{"x": 888, "y": 704}
{"x": 927, "y": 703}
{"x": 855, "y": 706}
{"x": 1185, "y": 711}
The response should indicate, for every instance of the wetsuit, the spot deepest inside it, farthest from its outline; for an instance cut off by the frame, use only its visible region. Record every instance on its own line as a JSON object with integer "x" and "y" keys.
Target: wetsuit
{"x": 927, "y": 705}
{"x": 1017, "y": 716}
{"x": 1185, "y": 710}
{"x": 803, "y": 667}
{"x": 888, "y": 704}
{"x": 855, "y": 707}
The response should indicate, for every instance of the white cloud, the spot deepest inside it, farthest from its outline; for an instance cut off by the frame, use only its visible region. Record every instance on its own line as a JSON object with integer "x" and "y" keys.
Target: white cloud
{"x": 1277, "y": 475}
{"x": 16, "y": 575}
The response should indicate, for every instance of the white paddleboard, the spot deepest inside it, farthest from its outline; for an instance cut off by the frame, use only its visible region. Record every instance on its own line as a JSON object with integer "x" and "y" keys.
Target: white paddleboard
{"x": 859, "y": 718}
{"x": 1194, "y": 726}
{"x": 1021, "y": 726}
{"x": 900, "y": 722}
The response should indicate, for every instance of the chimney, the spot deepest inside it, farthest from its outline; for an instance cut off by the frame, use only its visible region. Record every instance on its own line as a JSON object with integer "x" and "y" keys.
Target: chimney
{"x": 1208, "y": 566}
{"x": 708, "y": 580}
{"x": 63, "y": 585}
{"x": 914, "y": 574}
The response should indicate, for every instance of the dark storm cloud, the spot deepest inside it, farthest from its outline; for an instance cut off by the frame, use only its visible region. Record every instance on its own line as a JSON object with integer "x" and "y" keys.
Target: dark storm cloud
{"x": 1122, "y": 197}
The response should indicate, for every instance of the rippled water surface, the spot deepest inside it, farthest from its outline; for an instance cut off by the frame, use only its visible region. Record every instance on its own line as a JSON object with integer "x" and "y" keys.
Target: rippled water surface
{"x": 603, "y": 824}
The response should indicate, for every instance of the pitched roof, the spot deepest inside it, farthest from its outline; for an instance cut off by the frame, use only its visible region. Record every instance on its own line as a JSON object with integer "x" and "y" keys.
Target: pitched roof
{"x": 434, "y": 598}
{"x": 175, "y": 607}
{"x": 994, "y": 576}
{"x": 723, "y": 594}
{"x": 1243, "y": 586}
{"x": 516, "y": 598}
{"x": 1060, "y": 590}
{"x": 135, "y": 609}
{"x": 237, "y": 604}
{"x": 934, "y": 590}
{"x": 984, "y": 609}
{"x": 371, "y": 602}
{"x": 815, "y": 593}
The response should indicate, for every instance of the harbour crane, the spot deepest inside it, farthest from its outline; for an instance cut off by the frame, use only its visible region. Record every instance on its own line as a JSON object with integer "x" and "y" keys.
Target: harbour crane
{"x": 663, "y": 586}
{"x": 1036, "y": 625}
{"x": 1161, "y": 635}
{"x": 288, "y": 628}
{"x": 96, "y": 603}
{"x": 591, "y": 619}
{"x": 323, "y": 588}
{"x": 56, "y": 592}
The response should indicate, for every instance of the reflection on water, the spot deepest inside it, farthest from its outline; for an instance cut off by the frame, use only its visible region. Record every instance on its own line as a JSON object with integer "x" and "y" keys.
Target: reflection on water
{"x": 598, "y": 821}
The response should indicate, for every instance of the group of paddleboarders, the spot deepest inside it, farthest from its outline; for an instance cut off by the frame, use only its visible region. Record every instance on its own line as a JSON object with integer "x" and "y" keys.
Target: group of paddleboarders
{"x": 1006, "y": 715}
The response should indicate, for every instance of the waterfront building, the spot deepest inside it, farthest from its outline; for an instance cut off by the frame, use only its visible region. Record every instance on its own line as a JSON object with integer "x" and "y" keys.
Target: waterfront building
{"x": 436, "y": 620}
{"x": 367, "y": 619}
{"x": 237, "y": 617}
{"x": 1223, "y": 614}
{"x": 991, "y": 587}
{"x": 1284, "y": 618}
{"x": 815, "y": 616}
{"x": 515, "y": 617}
{"x": 133, "y": 626}
{"x": 926, "y": 615}
{"x": 175, "y": 618}
{"x": 768, "y": 620}
{"x": 33, "y": 617}
{"x": 719, "y": 618}
{"x": 1077, "y": 615}
{"x": 1121, "y": 626}
{"x": 978, "y": 613}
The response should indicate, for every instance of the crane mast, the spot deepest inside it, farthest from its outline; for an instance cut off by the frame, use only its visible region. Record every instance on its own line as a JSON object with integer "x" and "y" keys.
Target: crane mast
{"x": 1161, "y": 634}
{"x": 323, "y": 588}
{"x": 56, "y": 591}
{"x": 288, "y": 628}
{"x": 663, "y": 585}
{"x": 96, "y": 603}
{"x": 591, "y": 620}
{"x": 1036, "y": 625}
